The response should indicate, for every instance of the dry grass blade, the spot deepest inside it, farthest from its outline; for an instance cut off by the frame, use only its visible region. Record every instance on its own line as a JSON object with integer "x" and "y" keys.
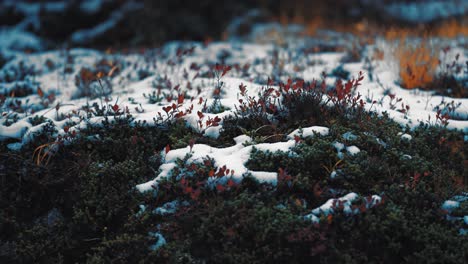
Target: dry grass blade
{"x": 42, "y": 152}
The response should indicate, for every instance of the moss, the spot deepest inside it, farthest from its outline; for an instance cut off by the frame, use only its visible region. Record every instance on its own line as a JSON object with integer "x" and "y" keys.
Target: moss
{"x": 83, "y": 207}
{"x": 401, "y": 231}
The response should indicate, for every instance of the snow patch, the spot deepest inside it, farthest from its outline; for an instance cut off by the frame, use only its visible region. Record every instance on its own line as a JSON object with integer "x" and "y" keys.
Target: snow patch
{"x": 309, "y": 131}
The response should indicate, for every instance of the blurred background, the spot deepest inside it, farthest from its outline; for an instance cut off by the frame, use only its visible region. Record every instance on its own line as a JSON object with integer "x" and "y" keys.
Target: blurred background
{"x": 149, "y": 23}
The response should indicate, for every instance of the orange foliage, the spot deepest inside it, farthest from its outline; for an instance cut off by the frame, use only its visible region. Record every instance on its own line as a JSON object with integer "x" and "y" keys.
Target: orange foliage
{"x": 312, "y": 26}
{"x": 447, "y": 29}
{"x": 451, "y": 29}
{"x": 418, "y": 64}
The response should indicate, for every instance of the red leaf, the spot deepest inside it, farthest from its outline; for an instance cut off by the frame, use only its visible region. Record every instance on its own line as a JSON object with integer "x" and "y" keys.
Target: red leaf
{"x": 270, "y": 82}
{"x": 362, "y": 208}
{"x": 297, "y": 139}
{"x": 179, "y": 115}
{"x": 167, "y": 109}
{"x": 231, "y": 183}
{"x": 168, "y": 148}
{"x": 200, "y": 114}
{"x": 329, "y": 219}
{"x": 220, "y": 187}
{"x": 226, "y": 70}
{"x": 188, "y": 190}
{"x": 242, "y": 89}
{"x": 180, "y": 99}
{"x": 40, "y": 92}
{"x": 194, "y": 195}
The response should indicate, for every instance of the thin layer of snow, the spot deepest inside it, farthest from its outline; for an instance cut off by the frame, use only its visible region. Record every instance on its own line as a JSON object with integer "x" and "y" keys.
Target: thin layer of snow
{"x": 128, "y": 90}
{"x": 338, "y": 146}
{"x": 422, "y": 105}
{"x": 327, "y": 208}
{"x": 313, "y": 218}
{"x": 233, "y": 157}
{"x": 349, "y": 136}
{"x": 167, "y": 208}
{"x": 15, "y": 146}
{"x": 343, "y": 203}
{"x": 309, "y": 131}
{"x": 160, "y": 240}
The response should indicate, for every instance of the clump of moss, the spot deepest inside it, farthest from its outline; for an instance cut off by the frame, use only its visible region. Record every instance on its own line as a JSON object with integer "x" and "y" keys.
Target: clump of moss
{"x": 82, "y": 205}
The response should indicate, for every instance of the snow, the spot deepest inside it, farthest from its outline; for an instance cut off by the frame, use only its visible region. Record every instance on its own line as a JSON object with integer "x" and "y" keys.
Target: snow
{"x": 311, "y": 217}
{"x": 167, "y": 208}
{"x": 339, "y": 146}
{"x": 15, "y": 146}
{"x": 309, "y": 131}
{"x": 450, "y": 205}
{"x": 160, "y": 240}
{"x": 406, "y": 156}
{"x": 344, "y": 204}
{"x": 327, "y": 209}
{"x": 16, "y": 130}
{"x": 406, "y": 137}
{"x": 233, "y": 158}
{"x": 353, "y": 150}
{"x": 349, "y": 136}
{"x": 422, "y": 103}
